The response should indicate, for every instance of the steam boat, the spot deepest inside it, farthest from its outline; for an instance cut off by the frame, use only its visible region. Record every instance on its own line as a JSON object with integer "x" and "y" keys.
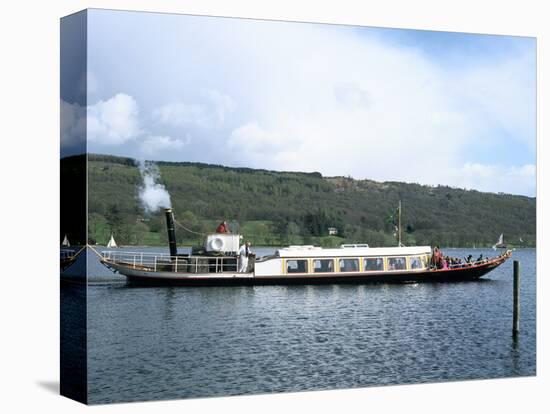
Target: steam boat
{"x": 218, "y": 262}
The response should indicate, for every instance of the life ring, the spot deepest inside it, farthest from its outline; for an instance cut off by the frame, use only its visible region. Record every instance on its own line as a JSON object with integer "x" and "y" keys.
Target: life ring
{"x": 217, "y": 244}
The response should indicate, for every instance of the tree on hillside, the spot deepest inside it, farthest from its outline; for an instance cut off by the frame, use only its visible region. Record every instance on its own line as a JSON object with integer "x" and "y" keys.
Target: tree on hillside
{"x": 284, "y": 200}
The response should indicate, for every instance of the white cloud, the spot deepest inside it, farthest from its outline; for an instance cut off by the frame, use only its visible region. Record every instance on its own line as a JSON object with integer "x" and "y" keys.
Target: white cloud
{"x": 503, "y": 95}
{"x": 251, "y": 137}
{"x": 255, "y": 145}
{"x": 181, "y": 114}
{"x": 495, "y": 177}
{"x": 351, "y": 95}
{"x": 115, "y": 121}
{"x": 155, "y": 144}
{"x": 209, "y": 113}
{"x": 222, "y": 104}
{"x": 354, "y": 105}
{"x": 332, "y": 99}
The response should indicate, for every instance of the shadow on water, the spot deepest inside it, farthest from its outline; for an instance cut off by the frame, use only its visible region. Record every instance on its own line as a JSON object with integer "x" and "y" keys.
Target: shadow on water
{"x": 145, "y": 285}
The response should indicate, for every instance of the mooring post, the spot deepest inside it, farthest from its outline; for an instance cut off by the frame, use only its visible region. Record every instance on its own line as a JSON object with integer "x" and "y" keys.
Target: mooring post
{"x": 515, "y": 329}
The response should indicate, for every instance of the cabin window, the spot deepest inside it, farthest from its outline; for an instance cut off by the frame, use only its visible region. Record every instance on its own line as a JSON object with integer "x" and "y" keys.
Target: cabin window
{"x": 397, "y": 263}
{"x": 296, "y": 266}
{"x": 323, "y": 265}
{"x": 416, "y": 262}
{"x": 349, "y": 265}
{"x": 424, "y": 261}
{"x": 373, "y": 264}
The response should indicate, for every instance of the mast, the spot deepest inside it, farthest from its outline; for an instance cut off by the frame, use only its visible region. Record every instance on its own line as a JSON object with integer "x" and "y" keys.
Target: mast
{"x": 399, "y": 230}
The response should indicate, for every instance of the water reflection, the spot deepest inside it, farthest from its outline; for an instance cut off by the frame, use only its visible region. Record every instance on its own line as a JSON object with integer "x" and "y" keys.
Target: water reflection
{"x": 167, "y": 342}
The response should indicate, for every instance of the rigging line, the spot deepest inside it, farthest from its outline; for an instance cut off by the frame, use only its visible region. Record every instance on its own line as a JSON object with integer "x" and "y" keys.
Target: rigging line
{"x": 78, "y": 252}
{"x": 95, "y": 251}
{"x": 189, "y": 230}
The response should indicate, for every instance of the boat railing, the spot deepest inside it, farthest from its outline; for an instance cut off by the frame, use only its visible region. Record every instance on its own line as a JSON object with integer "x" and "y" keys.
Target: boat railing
{"x": 165, "y": 262}
{"x": 465, "y": 264}
{"x": 67, "y": 253}
{"x": 478, "y": 262}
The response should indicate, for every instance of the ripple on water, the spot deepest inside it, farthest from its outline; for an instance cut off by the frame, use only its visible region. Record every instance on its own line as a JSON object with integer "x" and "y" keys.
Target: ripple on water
{"x": 176, "y": 342}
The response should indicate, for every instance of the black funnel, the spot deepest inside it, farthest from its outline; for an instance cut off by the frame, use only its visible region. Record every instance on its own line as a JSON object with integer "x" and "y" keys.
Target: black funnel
{"x": 171, "y": 232}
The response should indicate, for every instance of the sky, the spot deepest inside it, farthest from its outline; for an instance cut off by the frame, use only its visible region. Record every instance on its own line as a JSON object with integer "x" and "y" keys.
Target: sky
{"x": 382, "y": 104}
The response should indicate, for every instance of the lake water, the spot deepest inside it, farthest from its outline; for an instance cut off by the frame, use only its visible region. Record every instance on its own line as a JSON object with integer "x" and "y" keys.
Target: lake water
{"x": 149, "y": 343}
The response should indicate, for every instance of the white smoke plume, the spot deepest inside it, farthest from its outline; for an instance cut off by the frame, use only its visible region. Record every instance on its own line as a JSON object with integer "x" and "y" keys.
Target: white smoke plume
{"x": 152, "y": 194}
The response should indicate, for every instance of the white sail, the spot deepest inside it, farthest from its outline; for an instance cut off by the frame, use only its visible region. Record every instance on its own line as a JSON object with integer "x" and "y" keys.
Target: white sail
{"x": 500, "y": 242}
{"x": 112, "y": 242}
{"x": 66, "y": 242}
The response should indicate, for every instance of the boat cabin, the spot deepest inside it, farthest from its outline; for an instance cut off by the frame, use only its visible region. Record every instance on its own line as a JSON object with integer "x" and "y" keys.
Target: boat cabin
{"x": 226, "y": 243}
{"x": 310, "y": 260}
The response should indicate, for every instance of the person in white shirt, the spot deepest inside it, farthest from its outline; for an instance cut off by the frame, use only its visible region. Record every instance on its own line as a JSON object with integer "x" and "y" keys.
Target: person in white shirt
{"x": 244, "y": 252}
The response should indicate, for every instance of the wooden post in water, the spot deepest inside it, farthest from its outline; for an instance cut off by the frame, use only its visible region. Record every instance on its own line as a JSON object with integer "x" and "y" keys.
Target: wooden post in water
{"x": 515, "y": 329}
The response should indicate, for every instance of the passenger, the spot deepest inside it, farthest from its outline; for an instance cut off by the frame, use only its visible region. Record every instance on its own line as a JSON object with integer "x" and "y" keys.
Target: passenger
{"x": 439, "y": 258}
{"x": 447, "y": 262}
{"x": 480, "y": 258}
{"x": 223, "y": 228}
{"x": 244, "y": 253}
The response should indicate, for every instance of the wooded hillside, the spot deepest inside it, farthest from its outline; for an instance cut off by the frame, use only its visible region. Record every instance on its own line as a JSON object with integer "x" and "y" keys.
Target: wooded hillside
{"x": 279, "y": 208}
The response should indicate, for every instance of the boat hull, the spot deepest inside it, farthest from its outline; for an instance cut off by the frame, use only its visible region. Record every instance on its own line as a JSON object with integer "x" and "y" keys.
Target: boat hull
{"x": 466, "y": 273}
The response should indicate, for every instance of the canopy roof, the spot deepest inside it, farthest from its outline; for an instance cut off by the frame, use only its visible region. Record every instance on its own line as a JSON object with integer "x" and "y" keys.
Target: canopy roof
{"x": 311, "y": 251}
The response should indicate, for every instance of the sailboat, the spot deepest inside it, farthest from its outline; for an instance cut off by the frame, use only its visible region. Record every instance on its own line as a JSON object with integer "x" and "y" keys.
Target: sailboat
{"x": 65, "y": 242}
{"x": 112, "y": 242}
{"x": 500, "y": 243}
